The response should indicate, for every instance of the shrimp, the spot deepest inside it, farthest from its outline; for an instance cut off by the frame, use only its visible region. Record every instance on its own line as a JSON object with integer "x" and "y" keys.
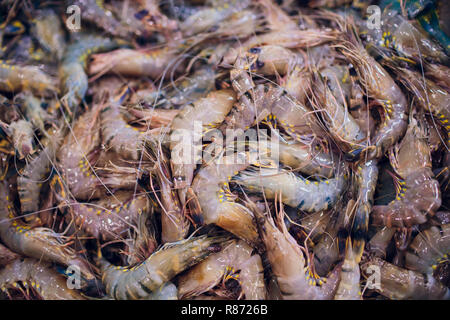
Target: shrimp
{"x": 328, "y": 3}
{"x": 428, "y": 249}
{"x": 6, "y": 255}
{"x": 122, "y": 138}
{"x": 23, "y": 138}
{"x": 307, "y": 159}
{"x": 39, "y": 277}
{"x": 76, "y": 153}
{"x": 342, "y": 126}
{"x": 95, "y": 12}
{"x": 265, "y": 102}
{"x": 210, "y": 185}
{"x": 366, "y": 177}
{"x": 383, "y": 88}
{"x": 348, "y": 288}
{"x": 418, "y": 192}
{"x": 154, "y": 19}
{"x": 33, "y": 110}
{"x": 39, "y": 243}
{"x": 110, "y": 217}
{"x": 174, "y": 224}
{"x": 404, "y": 38}
{"x": 134, "y": 63}
{"x": 15, "y": 78}
{"x": 431, "y": 98}
{"x": 74, "y": 81}
{"x": 236, "y": 261}
{"x": 205, "y": 19}
{"x": 288, "y": 262}
{"x": 47, "y": 28}
{"x": 30, "y": 179}
{"x": 140, "y": 281}
{"x": 296, "y": 191}
{"x": 207, "y": 112}
{"x": 399, "y": 283}
{"x": 274, "y": 60}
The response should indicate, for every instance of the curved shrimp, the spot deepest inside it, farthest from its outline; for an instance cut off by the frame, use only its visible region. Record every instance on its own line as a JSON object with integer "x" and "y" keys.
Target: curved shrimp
{"x": 39, "y": 277}
{"x": 382, "y": 87}
{"x": 418, "y": 192}
{"x": 235, "y": 261}
{"x": 380, "y": 241}
{"x": 74, "y": 81}
{"x": 76, "y": 153}
{"x": 39, "y": 243}
{"x": 15, "y": 78}
{"x": 428, "y": 249}
{"x": 399, "y": 283}
{"x": 140, "y": 281}
{"x": 110, "y": 217}
{"x": 208, "y": 113}
{"x": 134, "y": 63}
{"x": 23, "y": 137}
{"x": 31, "y": 177}
{"x": 217, "y": 207}
{"x": 46, "y": 27}
{"x": 288, "y": 263}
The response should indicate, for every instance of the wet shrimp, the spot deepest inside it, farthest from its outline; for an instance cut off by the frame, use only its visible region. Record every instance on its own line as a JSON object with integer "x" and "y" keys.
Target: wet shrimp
{"x": 16, "y": 78}
{"x": 428, "y": 249}
{"x": 215, "y": 200}
{"x": 386, "y": 92}
{"x": 295, "y": 191}
{"x": 289, "y": 264}
{"x": 140, "y": 281}
{"x": 208, "y": 113}
{"x": 109, "y": 218}
{"x": 46, "y": 27}
{"x": 236, "y": 261}
{"x": 36, "y": 276}
{"x": 399, "y": 283}
{"x": 74, "y": 81}
{"x": 349, "y": 288}
{"x": 418, "y": 193}
{"x": 40, "y": 243}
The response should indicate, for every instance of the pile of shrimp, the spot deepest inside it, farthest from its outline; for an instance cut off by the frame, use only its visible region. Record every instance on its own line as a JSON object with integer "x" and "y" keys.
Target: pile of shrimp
{"x": 235, "y": 149}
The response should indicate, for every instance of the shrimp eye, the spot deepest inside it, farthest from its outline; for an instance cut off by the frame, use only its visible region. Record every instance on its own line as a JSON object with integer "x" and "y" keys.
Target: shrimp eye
{"x": 141, "y": 14}
{"x": 257, "y": 65}
{"x": 352, "y": 71}
{"x": 255, "y": 50}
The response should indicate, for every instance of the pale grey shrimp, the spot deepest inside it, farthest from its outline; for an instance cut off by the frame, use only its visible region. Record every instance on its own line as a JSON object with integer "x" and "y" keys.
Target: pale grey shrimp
{"x": 109, "y": 218}
{"x": 399, "y": 283}
{"x": 39, "y": 243}
{"x": 236, "y": 261}
{"x": 72, "y": 74}
{"x": 208, "y": 113}
{"x": 33, "y": 110}
{"x": 288, "y": 263}
{"x": 39, "y": 277}
{"x": 294, "y": 190}
{"x": 141, "y": 281}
